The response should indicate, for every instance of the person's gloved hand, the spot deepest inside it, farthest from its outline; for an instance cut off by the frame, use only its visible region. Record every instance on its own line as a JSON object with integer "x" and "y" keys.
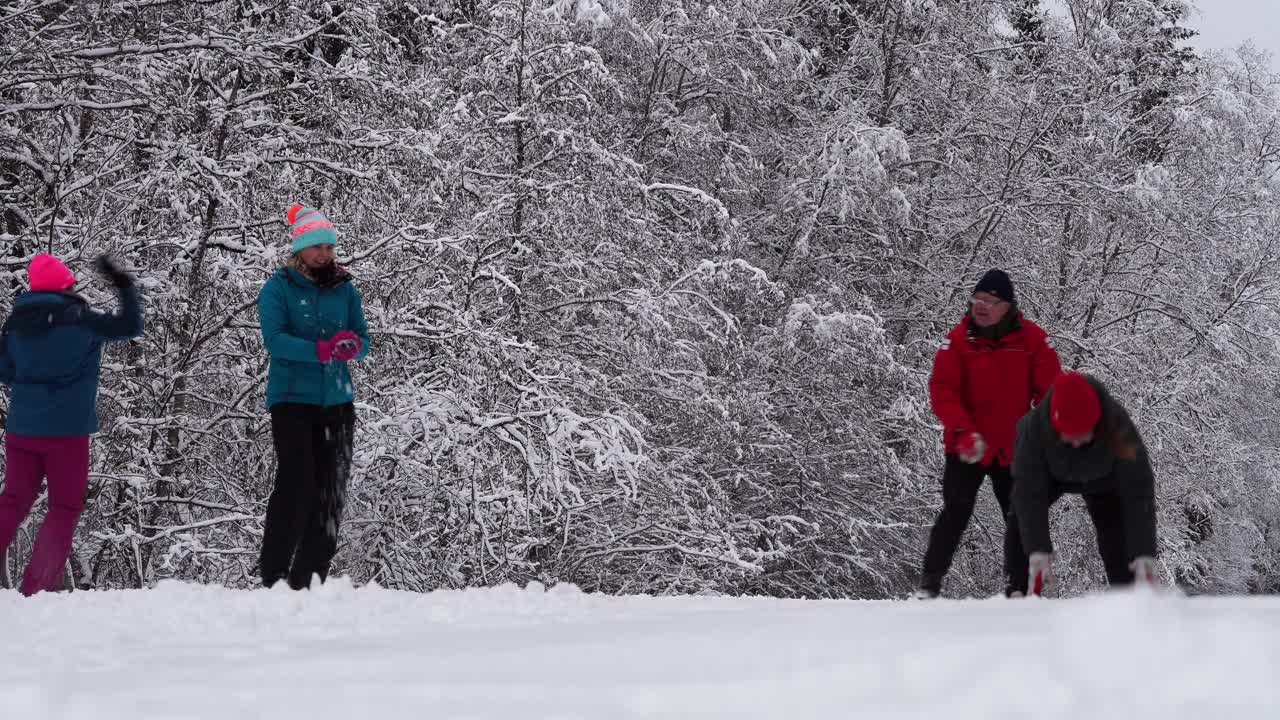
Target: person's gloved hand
{"x": 346, "y": 345}
{"x": 110, "y": 269}
{"x": 324, "y": 349}
{"x": 1144, "y": 570}
{"x": 343, "y": 346}
{"x": 1039, "y": 572}
{"x": 971, "y": 447}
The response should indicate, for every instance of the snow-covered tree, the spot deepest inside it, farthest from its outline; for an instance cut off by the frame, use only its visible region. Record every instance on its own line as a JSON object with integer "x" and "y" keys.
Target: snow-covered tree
{"x": 653, "y": 285}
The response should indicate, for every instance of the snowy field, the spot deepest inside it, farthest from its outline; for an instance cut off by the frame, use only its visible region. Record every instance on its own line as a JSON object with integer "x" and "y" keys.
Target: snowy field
{"x": 183, "y": 651}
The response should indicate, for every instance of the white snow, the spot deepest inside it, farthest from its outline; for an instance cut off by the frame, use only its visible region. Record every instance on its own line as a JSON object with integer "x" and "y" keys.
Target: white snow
{"x": 183, "y": 651}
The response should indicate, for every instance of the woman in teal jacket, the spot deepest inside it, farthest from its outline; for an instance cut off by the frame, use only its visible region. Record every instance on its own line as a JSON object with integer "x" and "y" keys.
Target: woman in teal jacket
{"x": 312, "y": 324}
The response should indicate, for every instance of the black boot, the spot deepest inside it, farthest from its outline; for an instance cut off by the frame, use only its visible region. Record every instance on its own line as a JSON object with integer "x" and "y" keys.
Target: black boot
{"x": 930, "y": 587}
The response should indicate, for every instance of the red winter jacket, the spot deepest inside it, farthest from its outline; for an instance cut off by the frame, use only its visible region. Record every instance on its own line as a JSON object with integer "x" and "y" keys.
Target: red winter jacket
{"x": 988, "y": 385}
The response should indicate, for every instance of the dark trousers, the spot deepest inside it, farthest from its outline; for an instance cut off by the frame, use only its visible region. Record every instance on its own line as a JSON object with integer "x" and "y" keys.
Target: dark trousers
{"x": 960, "y": 484}
{"x": 1106, "y": 510}
{"x": 313, "y": 456}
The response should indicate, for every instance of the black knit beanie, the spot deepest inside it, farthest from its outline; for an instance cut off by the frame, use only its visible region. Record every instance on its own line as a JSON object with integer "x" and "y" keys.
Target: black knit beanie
{"x": 997, "y": 283}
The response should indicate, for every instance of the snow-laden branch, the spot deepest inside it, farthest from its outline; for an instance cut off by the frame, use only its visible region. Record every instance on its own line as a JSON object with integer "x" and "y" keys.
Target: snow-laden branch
{"x": 130, "y": 536}
{"x": 721, "y": 211}
{"x": 78, "y": 104}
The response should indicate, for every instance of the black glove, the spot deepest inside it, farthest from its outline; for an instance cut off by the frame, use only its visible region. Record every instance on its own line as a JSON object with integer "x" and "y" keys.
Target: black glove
{"x": 110, "y": 269}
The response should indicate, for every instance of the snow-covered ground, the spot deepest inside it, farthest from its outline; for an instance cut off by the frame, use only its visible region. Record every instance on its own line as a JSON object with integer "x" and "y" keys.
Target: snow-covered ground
{"x": 183, "y": 651}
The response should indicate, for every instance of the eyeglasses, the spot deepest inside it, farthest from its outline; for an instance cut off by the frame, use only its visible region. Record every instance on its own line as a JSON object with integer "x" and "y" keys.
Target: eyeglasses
{"x": 984, "y": 303}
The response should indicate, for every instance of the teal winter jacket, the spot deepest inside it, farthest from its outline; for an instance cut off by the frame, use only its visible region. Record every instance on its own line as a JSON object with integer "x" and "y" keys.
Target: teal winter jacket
{"x": 294, "y": 312}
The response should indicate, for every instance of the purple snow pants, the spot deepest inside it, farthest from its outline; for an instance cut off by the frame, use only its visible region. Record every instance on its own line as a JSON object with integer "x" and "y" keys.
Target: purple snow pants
{"x": 27, "y": 461}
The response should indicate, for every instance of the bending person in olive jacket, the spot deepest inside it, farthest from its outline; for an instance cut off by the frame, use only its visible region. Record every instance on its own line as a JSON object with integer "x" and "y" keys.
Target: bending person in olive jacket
{"x": 313, "y": 324}
{"x": 1082, "y": 441}
{"x": 50, "y": 354}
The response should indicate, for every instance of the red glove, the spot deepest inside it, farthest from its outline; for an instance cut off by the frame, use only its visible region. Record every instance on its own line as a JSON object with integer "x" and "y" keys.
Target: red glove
{"x": 346, "y": 345}
{"x": 971, "y": 447}
{"x": 1040, "y": 572}
{"x": 1144, "y": 571}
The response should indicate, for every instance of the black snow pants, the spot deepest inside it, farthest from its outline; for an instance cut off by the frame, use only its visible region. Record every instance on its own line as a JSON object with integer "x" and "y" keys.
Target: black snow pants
{"x": 313, "y": 456}
{"x": 960, "y": 484}
{"x": 1106, "y": 510}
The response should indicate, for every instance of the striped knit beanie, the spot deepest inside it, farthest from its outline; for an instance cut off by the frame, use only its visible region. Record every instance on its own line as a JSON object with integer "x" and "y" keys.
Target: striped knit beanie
{"x": 308, "y": 226}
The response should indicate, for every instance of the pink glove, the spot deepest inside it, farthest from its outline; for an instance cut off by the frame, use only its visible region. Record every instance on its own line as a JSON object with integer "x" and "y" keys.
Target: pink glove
{"x": 1040, "y": 572}
{"x": 343, "y": 346}
{"x": 346, "y": 345}
{"x": 971, "y": 447}
{"x": 324, "y": 349}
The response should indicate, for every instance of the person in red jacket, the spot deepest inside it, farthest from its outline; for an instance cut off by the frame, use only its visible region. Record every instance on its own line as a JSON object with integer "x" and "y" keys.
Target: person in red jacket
{"x": 988, "y": 372}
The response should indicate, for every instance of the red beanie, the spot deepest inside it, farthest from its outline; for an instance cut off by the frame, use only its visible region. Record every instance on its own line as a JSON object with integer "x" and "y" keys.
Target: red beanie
{"x": 1074, "y": 408}
{"x": 47, "y": 272}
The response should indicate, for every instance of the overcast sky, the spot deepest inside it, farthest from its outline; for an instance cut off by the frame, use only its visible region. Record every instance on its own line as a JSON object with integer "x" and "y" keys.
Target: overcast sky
{"x": 1224, "y": 24}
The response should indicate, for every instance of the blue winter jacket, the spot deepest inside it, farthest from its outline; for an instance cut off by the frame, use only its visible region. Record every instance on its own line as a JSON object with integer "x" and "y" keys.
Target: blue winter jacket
{"x": 50, "y": 352}
{"x": 294, "y": 312}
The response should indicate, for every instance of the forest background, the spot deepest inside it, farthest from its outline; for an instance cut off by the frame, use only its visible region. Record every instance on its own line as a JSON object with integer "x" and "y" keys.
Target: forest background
{"x": 654, "y": 286}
